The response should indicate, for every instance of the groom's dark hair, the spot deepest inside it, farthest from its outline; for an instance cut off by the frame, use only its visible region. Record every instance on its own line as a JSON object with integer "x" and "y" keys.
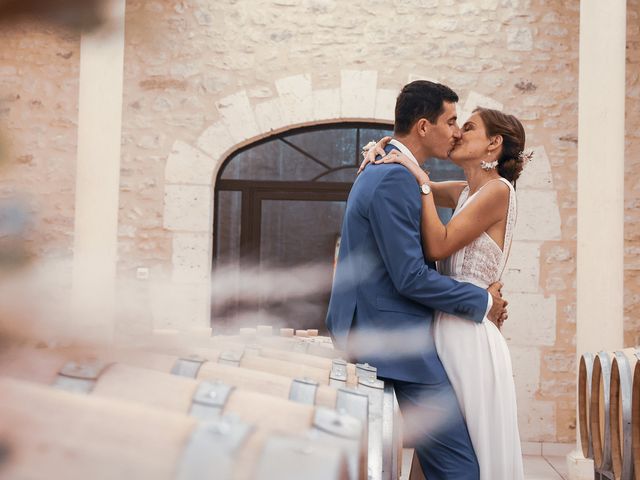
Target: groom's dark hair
{"x": 420, "y": 99}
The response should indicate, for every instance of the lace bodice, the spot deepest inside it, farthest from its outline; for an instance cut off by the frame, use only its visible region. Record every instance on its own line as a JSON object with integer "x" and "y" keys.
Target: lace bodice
{"x": 482, "y": 261}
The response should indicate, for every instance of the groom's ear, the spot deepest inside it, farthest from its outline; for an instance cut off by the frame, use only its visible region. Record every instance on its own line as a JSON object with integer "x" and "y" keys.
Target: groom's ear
{"x": 422, "y": 126}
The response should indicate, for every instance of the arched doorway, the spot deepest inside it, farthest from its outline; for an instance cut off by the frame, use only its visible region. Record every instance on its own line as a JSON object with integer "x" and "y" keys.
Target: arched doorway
{"x": 279, "y": 203}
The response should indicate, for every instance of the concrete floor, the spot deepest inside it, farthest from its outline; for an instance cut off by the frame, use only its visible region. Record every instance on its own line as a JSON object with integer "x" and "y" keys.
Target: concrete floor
{"x": 536, "y": 467}
{"x": 545, "y": 468}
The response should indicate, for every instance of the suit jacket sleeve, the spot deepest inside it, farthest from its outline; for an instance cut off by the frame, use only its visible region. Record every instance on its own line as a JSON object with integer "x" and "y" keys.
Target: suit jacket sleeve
{"x": 394, "y": 214}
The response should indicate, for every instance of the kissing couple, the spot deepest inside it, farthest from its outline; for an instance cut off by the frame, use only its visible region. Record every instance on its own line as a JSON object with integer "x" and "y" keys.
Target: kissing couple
{"x": 437, "y": 328}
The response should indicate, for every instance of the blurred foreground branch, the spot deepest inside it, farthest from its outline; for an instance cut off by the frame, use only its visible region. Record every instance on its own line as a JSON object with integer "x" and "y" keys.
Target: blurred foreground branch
{"x": 76, "y": 14}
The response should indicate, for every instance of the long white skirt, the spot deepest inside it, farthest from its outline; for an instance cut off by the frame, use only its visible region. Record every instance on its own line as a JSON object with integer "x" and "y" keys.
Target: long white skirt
{"x": 477, "y": 361}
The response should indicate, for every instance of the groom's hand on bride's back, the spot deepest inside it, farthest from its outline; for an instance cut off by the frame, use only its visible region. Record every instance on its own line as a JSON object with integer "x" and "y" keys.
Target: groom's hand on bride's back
{"x": 498, "y": 313}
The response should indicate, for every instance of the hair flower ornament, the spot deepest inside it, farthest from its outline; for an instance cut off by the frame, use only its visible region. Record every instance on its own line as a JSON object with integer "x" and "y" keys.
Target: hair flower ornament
{"x": 525, "y": 157}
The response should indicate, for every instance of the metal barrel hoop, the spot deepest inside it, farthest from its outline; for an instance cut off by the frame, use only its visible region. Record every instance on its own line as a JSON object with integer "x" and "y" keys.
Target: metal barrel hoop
{"x": 380, "y": 462}
{"x": 338, "y": 375}
{"x": 188, "y": 366}
{"x": 211, "y": 448}
{"x": 305, "y": 459}
{"x": 303, "y": 390}
{"x": 209, "y": 400}
{"x": 343, "y": 430}
{"x": 80, "y": 377}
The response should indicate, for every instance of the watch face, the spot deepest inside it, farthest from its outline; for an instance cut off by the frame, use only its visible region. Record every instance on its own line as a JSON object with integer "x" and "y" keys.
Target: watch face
{"x": 425, "y": 188}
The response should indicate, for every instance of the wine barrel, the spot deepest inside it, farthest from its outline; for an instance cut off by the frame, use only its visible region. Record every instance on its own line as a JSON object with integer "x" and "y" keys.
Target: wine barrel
{"x": 385, "y": 442}
{"x": 635, "y": 417}
{"x": 584, "y": 402}
{"x": 387, "y": 434}
{"x": 250, "y": 358}
{"x": 599, "y": 411}
{"x": 314, "y": 345}
{"x": 383, "y": 430}
{"x": 201, "y": 369}
{"x": 48, "y": 433}
{"x": 204, "y": 399}
{"x": 340, "y": 373}
{"x": 622, "y": 367}
{"x": 177, "y": 342}
{"x": 290, "y": 364}
{"x": 267, "y": 330}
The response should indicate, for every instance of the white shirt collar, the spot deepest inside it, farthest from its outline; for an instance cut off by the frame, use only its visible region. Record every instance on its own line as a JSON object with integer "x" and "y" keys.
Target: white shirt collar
{"x": 404, "y": 149}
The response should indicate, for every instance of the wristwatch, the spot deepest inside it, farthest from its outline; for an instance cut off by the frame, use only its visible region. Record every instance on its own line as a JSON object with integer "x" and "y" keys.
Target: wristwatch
{"x": 425, "y": 189}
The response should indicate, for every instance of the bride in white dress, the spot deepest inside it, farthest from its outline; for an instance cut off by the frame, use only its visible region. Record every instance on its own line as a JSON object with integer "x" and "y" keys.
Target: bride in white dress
{"x": 473, "y": 247}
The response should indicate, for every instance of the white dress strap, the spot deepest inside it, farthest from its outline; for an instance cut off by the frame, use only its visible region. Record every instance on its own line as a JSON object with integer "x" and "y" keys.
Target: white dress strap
{"x": 512, "y": 213}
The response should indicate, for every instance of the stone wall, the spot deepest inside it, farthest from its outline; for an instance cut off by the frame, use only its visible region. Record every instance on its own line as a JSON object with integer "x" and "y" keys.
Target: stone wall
{"x": 39, "y": 70}
{"x": 632, "y": 180}
{"x": 205, "y": 78}
{"x": 254, "y": 67}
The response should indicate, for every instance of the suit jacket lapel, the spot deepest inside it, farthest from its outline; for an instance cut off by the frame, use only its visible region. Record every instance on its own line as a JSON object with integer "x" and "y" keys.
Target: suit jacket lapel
{"x": 388, "y": 149}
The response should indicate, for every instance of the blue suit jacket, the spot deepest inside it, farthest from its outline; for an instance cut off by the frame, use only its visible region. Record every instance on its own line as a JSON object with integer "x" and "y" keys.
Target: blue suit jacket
{"x": 384, "y": 287}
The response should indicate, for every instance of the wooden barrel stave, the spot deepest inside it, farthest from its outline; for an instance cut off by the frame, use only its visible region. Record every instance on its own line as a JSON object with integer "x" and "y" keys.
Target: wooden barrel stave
{"x": 384, "y": 431}
{"x": 46, "y": 428}
{"x": 385, "y": 442}
{"x": 158, "y": 389}
{"x": 599, "y": 411}
{"x": 635, "y": 417}
{"x": 273, "y": 360}
{"x": 315, "y": 345}
{"x": 239, "y": 376}
{"x": 106, "y": 439}
{"x": 150, "y": 387}
{"x": 585, "y": 370}
{"x": 249, "y": 358}
{"x": 32, "y": 364}
{"x": 285, "y": 355}
{"x": 178, "y": 393}
{"x": 600, "y": 414}
{"x": 281, "y": 362}
{"x": 383, "y": 438}
{"x": 622, "y": 367}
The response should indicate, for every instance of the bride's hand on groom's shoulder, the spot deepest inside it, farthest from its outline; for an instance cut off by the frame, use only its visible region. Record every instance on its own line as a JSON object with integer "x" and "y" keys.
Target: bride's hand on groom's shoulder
{"x": 498, "y": 313}
{"x": 371, "y": 150}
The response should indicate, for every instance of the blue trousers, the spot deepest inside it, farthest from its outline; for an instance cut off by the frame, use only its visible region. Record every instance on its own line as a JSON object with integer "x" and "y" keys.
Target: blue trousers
{"x": 434, "y": 425}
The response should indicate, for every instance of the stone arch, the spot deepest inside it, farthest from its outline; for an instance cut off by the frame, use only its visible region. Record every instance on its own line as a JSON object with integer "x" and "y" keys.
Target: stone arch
{"x": 191, "y": 170}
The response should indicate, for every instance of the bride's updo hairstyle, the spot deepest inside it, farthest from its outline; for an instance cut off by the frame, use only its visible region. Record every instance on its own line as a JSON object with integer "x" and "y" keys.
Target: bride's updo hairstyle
{"x": 510, "y": 162}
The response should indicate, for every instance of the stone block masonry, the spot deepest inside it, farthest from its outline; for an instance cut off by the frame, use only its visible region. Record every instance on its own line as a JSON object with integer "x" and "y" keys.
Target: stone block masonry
{"x": 203, "y": 78}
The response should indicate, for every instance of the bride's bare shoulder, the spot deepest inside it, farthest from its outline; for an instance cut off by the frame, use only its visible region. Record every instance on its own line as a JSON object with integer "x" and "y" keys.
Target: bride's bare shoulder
{"x": 497, "y": 188}
{"x": 496, "y": 193}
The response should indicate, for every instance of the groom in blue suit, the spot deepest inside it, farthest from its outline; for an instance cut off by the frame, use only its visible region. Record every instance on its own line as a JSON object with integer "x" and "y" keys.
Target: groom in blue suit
{"x": 384, "y": 292}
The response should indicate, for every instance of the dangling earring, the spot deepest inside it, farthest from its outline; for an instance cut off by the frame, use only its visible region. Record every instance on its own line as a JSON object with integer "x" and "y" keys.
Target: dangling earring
{"x": 486, "y": 166}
